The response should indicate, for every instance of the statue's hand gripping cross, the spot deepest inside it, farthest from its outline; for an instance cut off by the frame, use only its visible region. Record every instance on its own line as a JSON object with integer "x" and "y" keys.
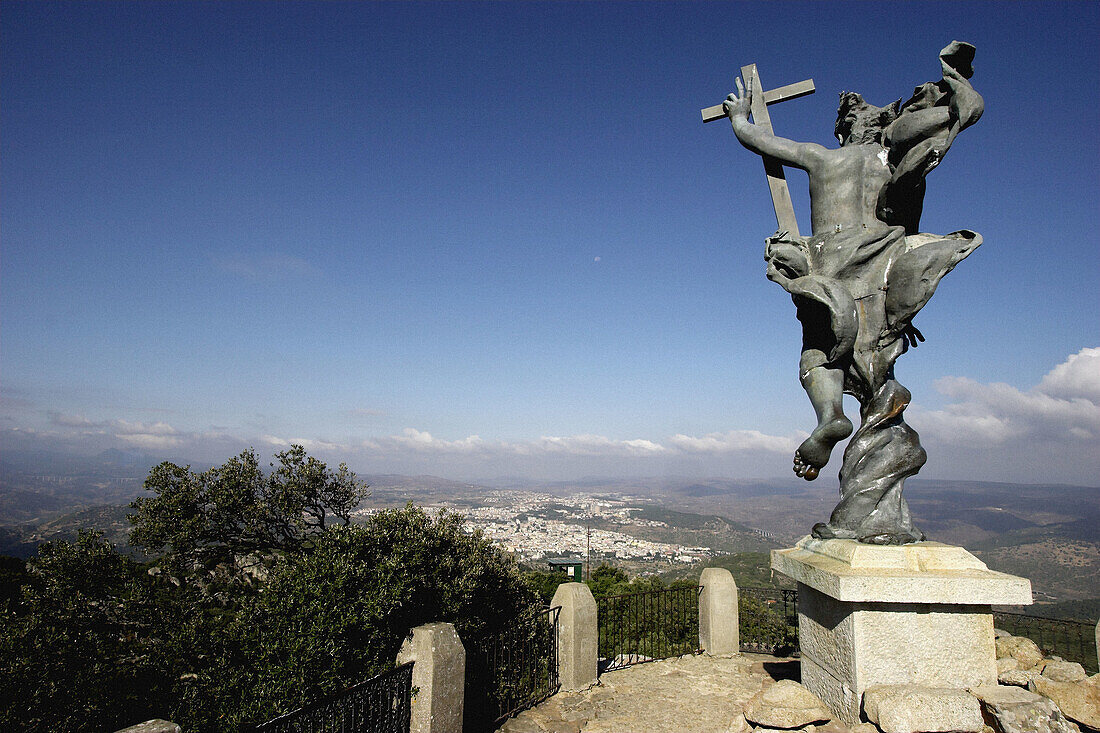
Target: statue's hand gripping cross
{"x": 777, "y": 182}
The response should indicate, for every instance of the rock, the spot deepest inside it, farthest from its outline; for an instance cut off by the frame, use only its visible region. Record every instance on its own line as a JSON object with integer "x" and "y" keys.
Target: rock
{"x": 917, "y": 709}
{"x": 864, "y": 728}
{"x": 786, "y": 704}
{"x": 1064, "y": 672}
{"x": 1006, "y": 664}
{"x": 152, "y": 726}
{"x": 1017, "y": 677}
{"x": 1016, "y": 710}
{"x": 1079, "y": 701}
{"x": 998, "y": 633}
{"x": 1003, "y": 695}
{"x": 833, "y": 726}
{"x": 1023, "y": 650}
{"x": 739, "y": 724}
{"x": 521, "y": 725}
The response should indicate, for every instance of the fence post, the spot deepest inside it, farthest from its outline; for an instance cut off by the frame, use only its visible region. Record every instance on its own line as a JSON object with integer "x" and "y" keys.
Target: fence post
{"x": 578, "y": 636}
{"x": 1098, "y": 644}
{"x": 718, "y": 631}
{"x": 439, "y": 671}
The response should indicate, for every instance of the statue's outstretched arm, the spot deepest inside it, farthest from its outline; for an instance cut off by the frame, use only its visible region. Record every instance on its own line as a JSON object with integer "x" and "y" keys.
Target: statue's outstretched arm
{"x": 965, "y": 103}
{"x": 762, "y": 142}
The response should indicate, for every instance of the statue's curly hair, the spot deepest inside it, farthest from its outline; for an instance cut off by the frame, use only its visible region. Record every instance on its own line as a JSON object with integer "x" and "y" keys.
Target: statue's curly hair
{"x": 880, "y": 116}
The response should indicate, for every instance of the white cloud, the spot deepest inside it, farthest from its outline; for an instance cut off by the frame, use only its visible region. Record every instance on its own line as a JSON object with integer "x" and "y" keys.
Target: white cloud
{"x": 590, "y": 445}
{"x": 736, "y": 440}
{"x": 1049, "y": 432}
{"x": 1078, "y": 377}
{"x": 421, "y": 440}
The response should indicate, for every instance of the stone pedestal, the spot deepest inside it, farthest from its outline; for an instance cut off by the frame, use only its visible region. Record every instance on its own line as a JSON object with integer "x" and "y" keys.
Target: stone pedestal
{"x": 915, "y": 614}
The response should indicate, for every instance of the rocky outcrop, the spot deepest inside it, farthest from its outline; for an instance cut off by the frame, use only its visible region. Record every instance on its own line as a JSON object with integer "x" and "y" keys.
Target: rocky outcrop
{"x": 1060, "y": 671}
{"x": 786, "y": 705}
{"x": 1017, "y": 677}
{"x": 1025, "y": 651}
{"x": 916, "y": 709}
{"x": 1079, "y": 701}
{"x": 1015, "y": 710}
{"x": 152, "y": 726}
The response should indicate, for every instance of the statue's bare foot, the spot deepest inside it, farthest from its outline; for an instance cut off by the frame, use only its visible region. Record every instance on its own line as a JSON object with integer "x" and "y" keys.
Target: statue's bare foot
{"x": 814, "y": 452}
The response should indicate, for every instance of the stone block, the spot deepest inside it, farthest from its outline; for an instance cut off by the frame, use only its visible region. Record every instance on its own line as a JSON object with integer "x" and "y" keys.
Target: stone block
{"x": 917, "y": 709}
{"x": 915, "y": 614}
{"x": 439, "y": 671}
{"x": 922, "y": 572}
{"x": 1079, "y": 701}
{"x": 1064, "y": 672}
{"x": 578, "y": 636}
{"x": 1025, "y": 651}
{"x": 1015, "y": 710}
{"x": 786, "y": 704}
{"x": 1017, "y": 677}
{"x": 152, "y": 726}
{"x": 718, "y": 620}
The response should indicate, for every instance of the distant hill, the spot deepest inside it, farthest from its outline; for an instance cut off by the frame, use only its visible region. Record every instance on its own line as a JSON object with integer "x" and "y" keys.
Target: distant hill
{"x": 1047, "y": 532}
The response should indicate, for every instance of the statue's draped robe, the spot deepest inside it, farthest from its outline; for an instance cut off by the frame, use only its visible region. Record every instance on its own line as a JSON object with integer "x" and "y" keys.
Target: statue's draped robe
{"x": 857, "y": 291}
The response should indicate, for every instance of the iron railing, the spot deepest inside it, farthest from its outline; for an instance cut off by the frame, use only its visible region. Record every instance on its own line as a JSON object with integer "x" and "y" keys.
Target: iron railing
{"x": 521, "y": 663}
{"x": 768, "y": 620}
{"x": 1074, "y": 641}
{"x": 382, "y": 704}
{"x": 642, "y": 627}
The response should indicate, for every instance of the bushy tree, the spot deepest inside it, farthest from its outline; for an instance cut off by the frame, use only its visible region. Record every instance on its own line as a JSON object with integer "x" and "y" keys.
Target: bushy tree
{"x": 608, "y": 580}
{"x": 80, "y": 648}
{"x": 544, "y": 583}
{"x": 340, "y": 613}
{"x": 93, "y": 640}
{"x": 236, "y": 510}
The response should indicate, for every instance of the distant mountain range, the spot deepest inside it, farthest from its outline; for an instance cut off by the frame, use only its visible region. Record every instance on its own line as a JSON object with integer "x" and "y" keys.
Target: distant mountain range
{"x": 1048, "y": 532}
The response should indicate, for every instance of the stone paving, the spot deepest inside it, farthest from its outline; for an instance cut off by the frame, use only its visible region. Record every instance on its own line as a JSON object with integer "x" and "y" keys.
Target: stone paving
{"x": 697, "y": 694}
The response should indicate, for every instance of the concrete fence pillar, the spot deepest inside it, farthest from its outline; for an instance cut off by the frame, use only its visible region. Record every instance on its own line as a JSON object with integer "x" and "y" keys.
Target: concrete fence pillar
{"x": 440, "y": 674}
{"x": 1098, "y": 643}
{"x": 578, "y": 636}
{"x": 718, "y": 630}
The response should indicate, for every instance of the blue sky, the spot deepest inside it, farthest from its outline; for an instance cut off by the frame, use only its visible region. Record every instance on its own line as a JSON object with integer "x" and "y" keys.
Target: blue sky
{"x": 495, "y": 238}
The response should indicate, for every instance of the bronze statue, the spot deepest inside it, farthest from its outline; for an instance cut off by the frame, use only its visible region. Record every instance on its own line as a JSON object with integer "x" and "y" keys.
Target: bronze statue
{"x": 861, "y": 277}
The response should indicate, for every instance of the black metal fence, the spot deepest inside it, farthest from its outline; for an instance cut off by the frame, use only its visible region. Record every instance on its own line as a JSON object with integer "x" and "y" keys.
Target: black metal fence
{"x": 521, "y": 663}
{"x": 1074, "y": 641}
{"x": 641, "y": 627}
{"x": 381, "y": 704}
{"x": 768, "y": 620}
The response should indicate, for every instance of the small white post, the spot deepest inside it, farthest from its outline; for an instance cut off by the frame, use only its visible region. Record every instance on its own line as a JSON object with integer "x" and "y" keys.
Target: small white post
{"x": 718, "y": 630}
{"x": 439, "y": 671}
{"x": 578, "y": 636}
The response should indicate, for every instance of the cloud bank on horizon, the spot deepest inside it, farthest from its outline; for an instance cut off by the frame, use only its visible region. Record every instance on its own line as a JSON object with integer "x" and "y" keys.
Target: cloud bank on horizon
{"x": 993, "y": 432}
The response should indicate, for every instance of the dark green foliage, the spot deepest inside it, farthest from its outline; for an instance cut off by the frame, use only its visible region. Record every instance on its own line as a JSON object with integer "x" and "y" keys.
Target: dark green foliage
{"x": 95, "y": 641}
{"x": 340, "y": 613}
{"x": 764, "y": 626}
{"x": 544, "y": 584}
{"x": 80, "y": 649}
{"x": 237, "y": 509}
{"x": 13, "y": 576}
{"x": 608, "y": 581}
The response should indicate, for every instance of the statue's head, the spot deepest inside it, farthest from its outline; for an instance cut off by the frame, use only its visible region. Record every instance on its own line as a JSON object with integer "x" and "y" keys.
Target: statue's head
{"x": 858, "y": 122}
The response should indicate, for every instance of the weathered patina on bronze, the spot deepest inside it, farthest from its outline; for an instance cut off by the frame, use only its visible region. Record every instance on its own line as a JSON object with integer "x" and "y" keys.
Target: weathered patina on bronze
{"x": 859, "y": 279}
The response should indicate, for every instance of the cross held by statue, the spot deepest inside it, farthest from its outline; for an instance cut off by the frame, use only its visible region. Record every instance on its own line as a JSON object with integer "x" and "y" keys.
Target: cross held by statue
{"x": 777, "y": 181}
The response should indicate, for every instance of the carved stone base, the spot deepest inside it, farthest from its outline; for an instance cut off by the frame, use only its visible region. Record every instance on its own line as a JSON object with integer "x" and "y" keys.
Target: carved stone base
{"x": 914, "y": 614}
